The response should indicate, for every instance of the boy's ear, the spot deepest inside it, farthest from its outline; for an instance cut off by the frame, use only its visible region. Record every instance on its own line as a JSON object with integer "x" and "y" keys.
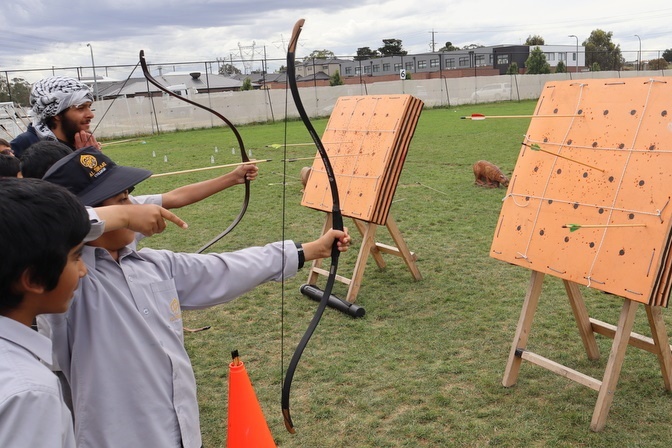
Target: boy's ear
{"x": 25, "y": 284}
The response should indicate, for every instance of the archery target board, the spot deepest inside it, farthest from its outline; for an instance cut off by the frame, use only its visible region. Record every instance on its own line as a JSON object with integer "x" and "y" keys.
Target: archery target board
{"x": 367, "y": 139}
{"x": 589, "y": 198}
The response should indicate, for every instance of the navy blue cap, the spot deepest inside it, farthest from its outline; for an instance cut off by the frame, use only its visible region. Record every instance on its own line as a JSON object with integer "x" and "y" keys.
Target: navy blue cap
{"x": 93, "y": 177}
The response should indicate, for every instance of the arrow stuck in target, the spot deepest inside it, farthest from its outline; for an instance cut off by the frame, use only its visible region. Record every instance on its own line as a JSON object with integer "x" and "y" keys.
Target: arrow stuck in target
{"x": 575, "y": 227}
{"x": 479, "y": 117}
{"x": 535, "y": 147}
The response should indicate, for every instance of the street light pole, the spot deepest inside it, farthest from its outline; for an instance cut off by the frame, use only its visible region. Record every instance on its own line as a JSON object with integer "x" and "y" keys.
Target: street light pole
{"x": 639, "y": 55}
{"x": 95, "y": 79}
{"x": 577, "y": 51}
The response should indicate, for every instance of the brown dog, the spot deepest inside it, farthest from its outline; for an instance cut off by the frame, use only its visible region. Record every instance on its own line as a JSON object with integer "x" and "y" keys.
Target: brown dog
{"x": 488, "y": 175}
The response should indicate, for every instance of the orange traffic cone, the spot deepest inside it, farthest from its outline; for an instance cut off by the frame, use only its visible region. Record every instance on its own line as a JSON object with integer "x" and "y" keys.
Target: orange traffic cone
{"x": 247, "y": 425}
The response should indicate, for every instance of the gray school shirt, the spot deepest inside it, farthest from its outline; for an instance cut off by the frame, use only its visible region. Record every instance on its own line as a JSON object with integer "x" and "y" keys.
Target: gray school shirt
{"x": 32, "y": 411}
{"x": 120, "y": 344}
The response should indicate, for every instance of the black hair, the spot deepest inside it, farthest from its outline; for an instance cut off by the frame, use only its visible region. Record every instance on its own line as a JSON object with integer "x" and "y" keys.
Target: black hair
{"x": 40, "y": 223}
{"x": 51, "y": 120}
{"x": 9, "y": 166}
{"x": 39, "y": 157}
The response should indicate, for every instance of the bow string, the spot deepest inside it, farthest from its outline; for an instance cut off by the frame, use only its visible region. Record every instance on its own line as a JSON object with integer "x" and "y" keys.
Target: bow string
{"x": 243, "y": 154}
{"x": 337, "y": 223}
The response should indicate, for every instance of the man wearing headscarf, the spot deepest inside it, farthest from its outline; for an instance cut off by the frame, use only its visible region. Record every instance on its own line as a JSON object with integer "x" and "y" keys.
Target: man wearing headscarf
{"x": 60, "y": 110}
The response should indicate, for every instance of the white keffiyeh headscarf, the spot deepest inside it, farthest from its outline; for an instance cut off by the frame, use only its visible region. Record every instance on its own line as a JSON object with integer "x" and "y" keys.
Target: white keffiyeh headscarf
{"x": 51, "y": 96}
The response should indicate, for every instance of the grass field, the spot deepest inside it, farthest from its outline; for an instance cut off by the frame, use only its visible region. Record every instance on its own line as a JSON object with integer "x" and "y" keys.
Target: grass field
{"x": 424, "y": 367}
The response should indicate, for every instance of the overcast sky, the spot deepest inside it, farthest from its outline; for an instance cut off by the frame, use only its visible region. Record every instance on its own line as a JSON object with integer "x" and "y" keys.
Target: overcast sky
{"x": 45, "y": 33}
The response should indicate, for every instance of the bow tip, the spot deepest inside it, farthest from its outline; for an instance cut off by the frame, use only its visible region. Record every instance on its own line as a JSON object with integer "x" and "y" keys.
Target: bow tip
{"x": 288, "y": 421}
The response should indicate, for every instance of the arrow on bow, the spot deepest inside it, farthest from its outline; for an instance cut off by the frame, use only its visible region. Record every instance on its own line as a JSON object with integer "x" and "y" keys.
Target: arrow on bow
{"x": 243, "y": 154}
{"x": 337, "y": 223}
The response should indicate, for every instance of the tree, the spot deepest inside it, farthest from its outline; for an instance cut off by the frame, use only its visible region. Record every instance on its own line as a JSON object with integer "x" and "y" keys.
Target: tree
{"x": 18, "y": 91}
{"x": 667, "y": 55}
{"x": 449, "y": 47}
{"x": 535, "y": 40}
{"x": 392, "y": 47}
{"x": 513, "y": 69}
{"x": 657, "y": 64}
{"x": 365, "y": 53}
{"x": 536, "y": 63}
{"x": 601, "y": 50}
{"x": 472, "y": 46}
{"x": 229, "y": 69}
{"x": 561, "y": 67}
{"x": 595, "y": 67}
{"x": 319, "y": 54}
{"x": 247, "y": 84}
{"x": 335, "y": 79}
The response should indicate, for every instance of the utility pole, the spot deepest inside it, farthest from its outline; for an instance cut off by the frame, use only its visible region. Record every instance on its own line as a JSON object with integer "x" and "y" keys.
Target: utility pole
{"x": 95, "y": 78}
{"x": 433, "y": 44}
{"x": 577, "y": 51}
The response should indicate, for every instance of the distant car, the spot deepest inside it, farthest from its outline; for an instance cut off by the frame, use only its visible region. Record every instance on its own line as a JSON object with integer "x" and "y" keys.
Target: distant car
{"x": 499, "y": 91}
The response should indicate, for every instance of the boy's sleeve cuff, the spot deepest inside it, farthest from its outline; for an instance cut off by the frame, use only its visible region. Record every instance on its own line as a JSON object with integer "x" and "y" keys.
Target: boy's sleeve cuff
{"x": 97, "y": 226}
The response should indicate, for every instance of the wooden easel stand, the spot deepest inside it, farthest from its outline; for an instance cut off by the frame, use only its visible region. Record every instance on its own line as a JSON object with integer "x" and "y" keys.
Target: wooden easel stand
{"x": 621, "y": 334}
{"x": 369, "y": 247}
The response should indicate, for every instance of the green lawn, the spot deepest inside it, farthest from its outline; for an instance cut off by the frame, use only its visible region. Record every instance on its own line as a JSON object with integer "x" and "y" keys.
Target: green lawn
{"x": 424, "y": 367}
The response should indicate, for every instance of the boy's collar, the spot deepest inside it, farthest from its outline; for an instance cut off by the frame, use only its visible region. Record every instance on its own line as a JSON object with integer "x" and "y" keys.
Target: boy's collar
{"x": 91, "y": 253}
{"x": 32, "y": 341}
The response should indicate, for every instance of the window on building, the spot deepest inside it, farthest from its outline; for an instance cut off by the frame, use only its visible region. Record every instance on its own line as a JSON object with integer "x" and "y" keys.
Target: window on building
{"x": 449, "y": 63}
{"x": 348, "y": 70}
{"x": 358, "y": 70}
{"x": 464, "y": 61}
{"x": 397, "y": 66}
{"x": 409, "y": 65}
{"x": 376, "y": 68}
{"x": 503, "y": 59}
{"x": 367, "y": 69}
{"x": 550, "y": 56}
{"x": 433, "y": 63}
{"x": 422, "y": 64}
{"x": 386, "y": 67}
{"x": 480, "y": 60}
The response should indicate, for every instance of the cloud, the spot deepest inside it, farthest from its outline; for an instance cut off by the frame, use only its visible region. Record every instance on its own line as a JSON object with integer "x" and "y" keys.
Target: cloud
{"x": 44, "y": 34}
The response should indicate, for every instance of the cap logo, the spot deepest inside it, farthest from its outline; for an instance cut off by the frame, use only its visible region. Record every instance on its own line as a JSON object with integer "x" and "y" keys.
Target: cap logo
{"x": 90, "y": 162}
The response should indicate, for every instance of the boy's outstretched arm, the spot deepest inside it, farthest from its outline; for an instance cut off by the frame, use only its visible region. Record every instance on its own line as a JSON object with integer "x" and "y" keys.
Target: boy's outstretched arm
{"x": 147, "y": 219}
{"x": 191, "y": 193}
{"x": 321, "y": 247}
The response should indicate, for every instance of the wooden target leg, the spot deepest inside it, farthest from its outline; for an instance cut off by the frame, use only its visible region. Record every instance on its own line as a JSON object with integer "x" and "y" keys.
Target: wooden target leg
{"x": 316, "y": 267}
{"x": 368, "y": 243}
{"x": 523, "y": 330}
{"x": 403, "y": 250}
{"x": 661, "y": 342}
{"x": 606, "y": 394}
{"x": 363, "y": 228}
{"x": 582, "y": 319}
